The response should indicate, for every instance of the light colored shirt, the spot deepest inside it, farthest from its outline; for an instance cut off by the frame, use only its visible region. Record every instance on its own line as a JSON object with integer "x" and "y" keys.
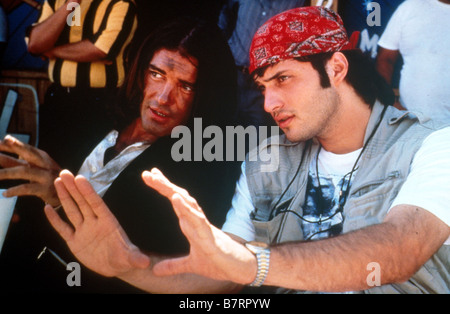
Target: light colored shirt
{"x": 419, "y": 31}
{"x": 101, "y": 176}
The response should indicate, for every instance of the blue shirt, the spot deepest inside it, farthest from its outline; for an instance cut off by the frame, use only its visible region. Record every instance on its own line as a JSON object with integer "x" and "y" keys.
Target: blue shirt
{"x": 240, "y": 19}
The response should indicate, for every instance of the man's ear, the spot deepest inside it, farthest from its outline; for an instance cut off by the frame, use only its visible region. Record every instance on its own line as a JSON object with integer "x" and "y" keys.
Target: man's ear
{"x": 337, "y": 68}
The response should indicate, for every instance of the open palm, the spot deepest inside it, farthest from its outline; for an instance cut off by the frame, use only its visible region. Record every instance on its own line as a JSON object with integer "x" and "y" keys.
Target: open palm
{"x": 93, "y": 235}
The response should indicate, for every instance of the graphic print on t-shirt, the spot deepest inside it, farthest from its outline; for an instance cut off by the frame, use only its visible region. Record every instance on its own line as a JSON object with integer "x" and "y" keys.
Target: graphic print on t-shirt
{"x": 321, "y": 218}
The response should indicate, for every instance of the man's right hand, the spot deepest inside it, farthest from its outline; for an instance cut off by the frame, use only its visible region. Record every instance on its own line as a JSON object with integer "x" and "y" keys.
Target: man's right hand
{"x": 95, "y": 236}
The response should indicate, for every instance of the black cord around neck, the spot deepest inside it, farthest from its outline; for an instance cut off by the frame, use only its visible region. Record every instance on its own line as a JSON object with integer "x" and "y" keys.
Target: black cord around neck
{"x": 344, "y": 194}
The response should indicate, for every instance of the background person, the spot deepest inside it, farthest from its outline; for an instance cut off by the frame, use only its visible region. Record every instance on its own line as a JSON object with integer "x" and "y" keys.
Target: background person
{"x": 239, "y": 21}
{"x": 86, "y": 66}
{"x": 417, "y": 32}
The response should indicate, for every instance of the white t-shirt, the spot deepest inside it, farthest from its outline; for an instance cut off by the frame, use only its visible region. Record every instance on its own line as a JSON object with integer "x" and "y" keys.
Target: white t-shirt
{"x": 419, "y": 29}
{"x": 321, "y": 215}
{"x": 427, "y": 186}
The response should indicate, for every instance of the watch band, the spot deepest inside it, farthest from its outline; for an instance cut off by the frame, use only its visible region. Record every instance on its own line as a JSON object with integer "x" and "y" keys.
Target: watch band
{"x": 262, "y": 253}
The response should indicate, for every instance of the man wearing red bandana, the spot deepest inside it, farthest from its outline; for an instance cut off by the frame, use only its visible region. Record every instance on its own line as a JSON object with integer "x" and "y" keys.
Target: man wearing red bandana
{"x": 357, "y": 202}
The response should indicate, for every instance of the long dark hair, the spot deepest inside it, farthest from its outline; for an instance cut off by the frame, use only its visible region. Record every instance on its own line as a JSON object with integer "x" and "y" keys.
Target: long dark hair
{"x": 215, "y": 97}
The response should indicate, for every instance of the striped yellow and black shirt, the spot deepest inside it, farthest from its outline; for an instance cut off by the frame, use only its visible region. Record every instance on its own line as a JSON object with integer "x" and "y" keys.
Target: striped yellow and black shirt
{"x": 110, "y": 26}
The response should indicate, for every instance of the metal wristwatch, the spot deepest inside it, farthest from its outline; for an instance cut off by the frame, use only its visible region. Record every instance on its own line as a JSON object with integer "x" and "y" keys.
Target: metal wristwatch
{"x": 262, "y": 253}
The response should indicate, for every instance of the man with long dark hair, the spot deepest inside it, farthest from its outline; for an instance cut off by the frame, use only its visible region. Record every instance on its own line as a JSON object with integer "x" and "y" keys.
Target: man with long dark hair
{"x": 357, "y": 202}
{"x": 182, "y": 71}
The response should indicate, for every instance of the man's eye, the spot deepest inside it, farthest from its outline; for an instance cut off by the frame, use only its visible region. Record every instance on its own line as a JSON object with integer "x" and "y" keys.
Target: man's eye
{"x": 187, "y": 88}
{"x": 155, "y": 74}
{"x": 282, "y": 78}
{"x": 261, "y": 88}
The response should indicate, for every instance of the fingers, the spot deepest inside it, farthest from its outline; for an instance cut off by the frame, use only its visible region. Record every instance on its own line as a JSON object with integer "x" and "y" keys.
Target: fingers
{"x": 64, "y": 230}
{"x": 12, "y": 145}
{"x": 79, "y": 199}
{"x": 156, "y": 180}
{"x": 94, "y": 200}
{"x": 40, "y": 182}
{"x": 69, "y": 183}
{"x": 8, "y": 161}
{"x": 27, "y": 173}
{"x": 27, "y": 152}
{"x": 188, "y": 211}
{"x": 190, "y": 215}
{"x": 24, "y": 189}
{"x": 70, "y": 207}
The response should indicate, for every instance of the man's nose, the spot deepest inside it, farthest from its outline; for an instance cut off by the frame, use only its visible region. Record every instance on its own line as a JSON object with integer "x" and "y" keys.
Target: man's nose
{"x": 272, "y": 101}
{"x": 165, "y": 94}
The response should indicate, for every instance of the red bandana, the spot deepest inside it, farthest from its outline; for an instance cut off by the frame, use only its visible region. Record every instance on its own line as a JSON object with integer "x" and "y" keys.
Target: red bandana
{"x": 295, "y": 33}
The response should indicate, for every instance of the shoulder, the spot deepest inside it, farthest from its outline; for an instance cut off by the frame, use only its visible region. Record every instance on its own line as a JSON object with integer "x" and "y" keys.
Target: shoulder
{"x": 410, "y": 5}
{"x": 433, "y": 155}
{"x": 438, "y": 140}
{"x": 407, "y": 8}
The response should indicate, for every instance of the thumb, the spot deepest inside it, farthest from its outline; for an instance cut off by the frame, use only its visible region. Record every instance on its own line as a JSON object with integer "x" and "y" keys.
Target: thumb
{"x": 139, "y": 260}
{"x": 170, "y": 267}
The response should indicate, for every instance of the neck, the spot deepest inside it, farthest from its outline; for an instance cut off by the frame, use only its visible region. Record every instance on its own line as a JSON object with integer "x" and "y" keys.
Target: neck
{"x": 132, "y": 134}
{"x": 347, "y": 131}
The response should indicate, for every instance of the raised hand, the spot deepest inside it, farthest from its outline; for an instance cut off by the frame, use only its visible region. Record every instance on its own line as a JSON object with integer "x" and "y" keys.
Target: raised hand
{"x": 213, "y": 253}
{"x": 32, "y": 165}
{"x": 95, "y": 236}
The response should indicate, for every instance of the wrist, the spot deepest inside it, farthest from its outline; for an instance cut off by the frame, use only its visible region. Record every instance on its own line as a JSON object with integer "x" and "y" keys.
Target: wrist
{"x": 261, "y": 252}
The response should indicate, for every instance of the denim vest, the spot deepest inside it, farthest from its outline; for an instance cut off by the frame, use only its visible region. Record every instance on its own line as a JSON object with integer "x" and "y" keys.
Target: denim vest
{"x": 383, "y": 168}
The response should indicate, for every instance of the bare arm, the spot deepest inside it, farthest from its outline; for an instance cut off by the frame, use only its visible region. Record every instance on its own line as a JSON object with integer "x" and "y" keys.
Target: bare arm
{"x": 44, "y": 35}
{"x": 385, "y": 62}
{"x": 83, "y": 51}
{"x": 185, "y": 283}
{"x": 407, "y": 238}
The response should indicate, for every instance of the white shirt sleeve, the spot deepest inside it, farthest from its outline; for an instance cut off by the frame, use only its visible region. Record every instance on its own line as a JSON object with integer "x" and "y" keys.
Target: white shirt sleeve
{"x": 238, "y": 220}
{"x": 390, "y": 39}
{"x": 428, "y": 183}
